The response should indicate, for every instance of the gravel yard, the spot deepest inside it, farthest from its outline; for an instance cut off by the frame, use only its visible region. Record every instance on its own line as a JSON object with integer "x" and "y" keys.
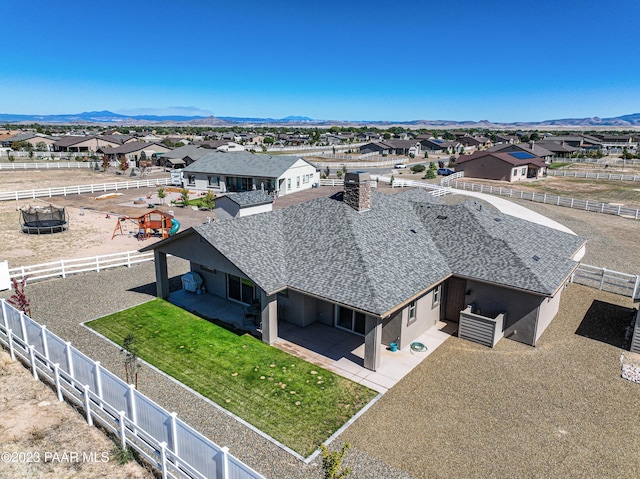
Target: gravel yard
{"x": 557, "y": 410}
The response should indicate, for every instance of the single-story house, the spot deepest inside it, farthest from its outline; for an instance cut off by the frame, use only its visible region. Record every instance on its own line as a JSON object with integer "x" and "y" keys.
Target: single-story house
{"x": 133, "y": 152}
{"x": 513, "y": 166}
{"x": 243, "y": 171}
{"x": 392, "y": 147}
{"x": 245, "y": 203}
{"x": 180, "y": 157}
{"x": 532, "y": 148}
{"x": 89, "y": 144}
{"x": 386, "y": 267}
{"x": 437, "y": 145}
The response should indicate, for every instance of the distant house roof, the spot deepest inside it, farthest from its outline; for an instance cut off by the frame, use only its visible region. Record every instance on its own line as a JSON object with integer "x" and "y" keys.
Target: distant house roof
{"x": 131, "y": 147}
{"x": 325, "y": 248}
{"x": 243, "y": 163}
{"x": 516, "y": 158}
{"x": 535, "y": 149}
{"x": 192, "y": 151}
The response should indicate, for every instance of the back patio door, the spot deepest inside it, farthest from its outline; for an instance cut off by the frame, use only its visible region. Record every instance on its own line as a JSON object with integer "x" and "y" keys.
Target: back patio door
{"x": 456, "y": 288}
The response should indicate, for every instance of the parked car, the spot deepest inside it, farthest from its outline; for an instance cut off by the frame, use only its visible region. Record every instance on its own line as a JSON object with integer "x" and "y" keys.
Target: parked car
{"x": 399, "y": 165}
{"x": 445, "y": 171}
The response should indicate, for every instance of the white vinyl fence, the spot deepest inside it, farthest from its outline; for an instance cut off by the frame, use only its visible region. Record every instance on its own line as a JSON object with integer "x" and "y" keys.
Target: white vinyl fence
{"x": 160, "y": 437}
{"x": 79, "y": 189}
{"x": 434, "y": 189}
{"x": 66, "y": 267}
{"x": 607, "y": 280}
{"x": 49, "y": 165}
{"x": 587, "y": 205}
{"x": 594, "y": 175}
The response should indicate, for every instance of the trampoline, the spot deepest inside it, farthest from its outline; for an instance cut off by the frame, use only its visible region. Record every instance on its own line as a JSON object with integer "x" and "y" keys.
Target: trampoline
{"x": 47, "y": 220}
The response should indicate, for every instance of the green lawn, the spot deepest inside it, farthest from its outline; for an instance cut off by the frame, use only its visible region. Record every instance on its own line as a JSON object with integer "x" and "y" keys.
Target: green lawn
{"x": 293, "y": 401}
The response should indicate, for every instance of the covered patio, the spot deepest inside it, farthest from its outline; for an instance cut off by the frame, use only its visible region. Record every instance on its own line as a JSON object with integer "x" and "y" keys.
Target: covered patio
{"x": 332, "y": 348}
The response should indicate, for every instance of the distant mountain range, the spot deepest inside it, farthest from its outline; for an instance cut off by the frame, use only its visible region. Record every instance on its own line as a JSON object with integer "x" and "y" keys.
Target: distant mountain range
{"x": 110, "y": 118}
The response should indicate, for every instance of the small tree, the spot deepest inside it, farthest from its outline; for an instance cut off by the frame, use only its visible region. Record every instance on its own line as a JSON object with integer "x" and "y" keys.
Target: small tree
{"x": 105, "y": 163}
{"x": 426, "y": 154}
{"x": 131, "y": 366}
{"x": 332, "y": 462}
{"x": 184, "y": 196}
{"x": 209, "y": 200}
{"x": 123, "y": 164}
{"x": 339, "y": 173}
{"x": 418, "y": 168}
{"x": 327, "y": 171}
{"x": 162, "y": 194}
{"x": 433, "y": 166}
{"x": 430, "y": 174}
{"x": 19, "y": 299}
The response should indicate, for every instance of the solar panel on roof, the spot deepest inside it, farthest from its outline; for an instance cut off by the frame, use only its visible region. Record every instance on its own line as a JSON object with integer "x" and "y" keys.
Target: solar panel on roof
{"x": 522, "y": 155}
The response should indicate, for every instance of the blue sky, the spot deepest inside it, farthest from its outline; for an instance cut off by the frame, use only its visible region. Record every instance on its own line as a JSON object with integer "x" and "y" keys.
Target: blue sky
{"x": 498, "y": 60}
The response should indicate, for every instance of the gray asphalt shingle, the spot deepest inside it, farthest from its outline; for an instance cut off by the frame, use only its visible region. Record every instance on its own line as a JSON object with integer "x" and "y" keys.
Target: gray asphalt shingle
{"x": 406, "y": 243}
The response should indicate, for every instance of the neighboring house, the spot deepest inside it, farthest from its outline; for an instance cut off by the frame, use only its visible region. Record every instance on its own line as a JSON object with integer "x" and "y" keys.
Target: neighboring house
{"x": 577, "y": 141}
{"x": 246, "y": 203}
{"x": 559, "y": 150}
{"x": 133, "y": 152}
{"x": 89, "y": 144}
{"x": 507, "y": 139}
{"x": 393, "y": 147}
{"x": 180, "y": 157}
{"x": 437, "y": 145}
{"x": 514, "y": 166}
{"x": 36, "y": 140}
{"x": 243, "y": 171}
{"x": 220, "y": 145}
{"x": 385, "y": 267}
{"x": 478, "y": 142}
{"x": 532, "y": 148}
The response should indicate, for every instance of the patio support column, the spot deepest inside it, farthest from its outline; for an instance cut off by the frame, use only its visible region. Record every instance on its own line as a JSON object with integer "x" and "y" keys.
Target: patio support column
{"x": 162, "y": 274}
{"x": 372, "y": 343}
{"x": 269, "y": 317}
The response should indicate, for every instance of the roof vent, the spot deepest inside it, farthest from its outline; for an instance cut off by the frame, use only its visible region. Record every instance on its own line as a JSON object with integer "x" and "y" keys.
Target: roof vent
{"x": 498, "y": 219}
{"x": 536, "y": 258}
{"x": 413, "y": 230}
{"x": 441, "y": 217}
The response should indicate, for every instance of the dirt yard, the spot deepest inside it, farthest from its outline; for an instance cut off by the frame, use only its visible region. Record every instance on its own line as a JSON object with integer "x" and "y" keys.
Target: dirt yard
{"x": 44, "y": 438}
{"x": 92, "y": 218}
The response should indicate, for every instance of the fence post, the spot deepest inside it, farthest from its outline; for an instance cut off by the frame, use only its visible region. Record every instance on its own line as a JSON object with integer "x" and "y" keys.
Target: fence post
{"x": 87, "y": 405}
{"x": 69, "y": 359}
{"x": 604, "y": 270}
{"x": 132, "y": 407}
{"x": 64, "y": 273}
{"x": 32, "y": 358}
{"x": 23, "y": 329}
{"x": 99, "y": 381}
{"x": 45, "y": 343}
{"x": 4, "y": 314}
{"x": 635, "y": 287}
{"x": 163, "y": 459}
{"x": 11, "y": 351}
{"x": 174, "y": 432}
{"x": 123, "y": 437}
{"x": 97, "y": 264}
{"x": 586, "y": 205}
{"x": 225, "y": 462}
{"x": 56, "y": 372}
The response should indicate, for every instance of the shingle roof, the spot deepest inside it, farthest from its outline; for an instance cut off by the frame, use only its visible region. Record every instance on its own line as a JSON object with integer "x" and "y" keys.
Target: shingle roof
{"x": 375, "y": 260}
{"x": 192, "y": 151}
{"x": 245, "y": 199}
{"x": 511, "y": 158}
{"x": 242, "y": 163}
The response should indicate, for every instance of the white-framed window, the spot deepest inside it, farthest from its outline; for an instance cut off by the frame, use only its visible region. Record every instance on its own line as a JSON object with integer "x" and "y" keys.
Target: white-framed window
{"x": 288, "y": 184}
{"x": 213, "y": 181}
{"x": 524, "y": 171}
{"x": 412, "y": 313}
{"x": 191, "y": 180}
{"x": 437, "y": 295}
{"x": 297, "y": 182}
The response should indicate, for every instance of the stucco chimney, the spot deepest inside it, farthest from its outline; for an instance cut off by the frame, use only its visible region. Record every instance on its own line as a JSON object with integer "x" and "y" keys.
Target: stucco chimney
{"x": 357, "y": 191}
{"x": 532, "y": 144}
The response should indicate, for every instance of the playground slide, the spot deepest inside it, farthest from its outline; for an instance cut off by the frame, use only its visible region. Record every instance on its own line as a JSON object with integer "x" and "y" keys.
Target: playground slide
{"x": 175, "y": 226}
